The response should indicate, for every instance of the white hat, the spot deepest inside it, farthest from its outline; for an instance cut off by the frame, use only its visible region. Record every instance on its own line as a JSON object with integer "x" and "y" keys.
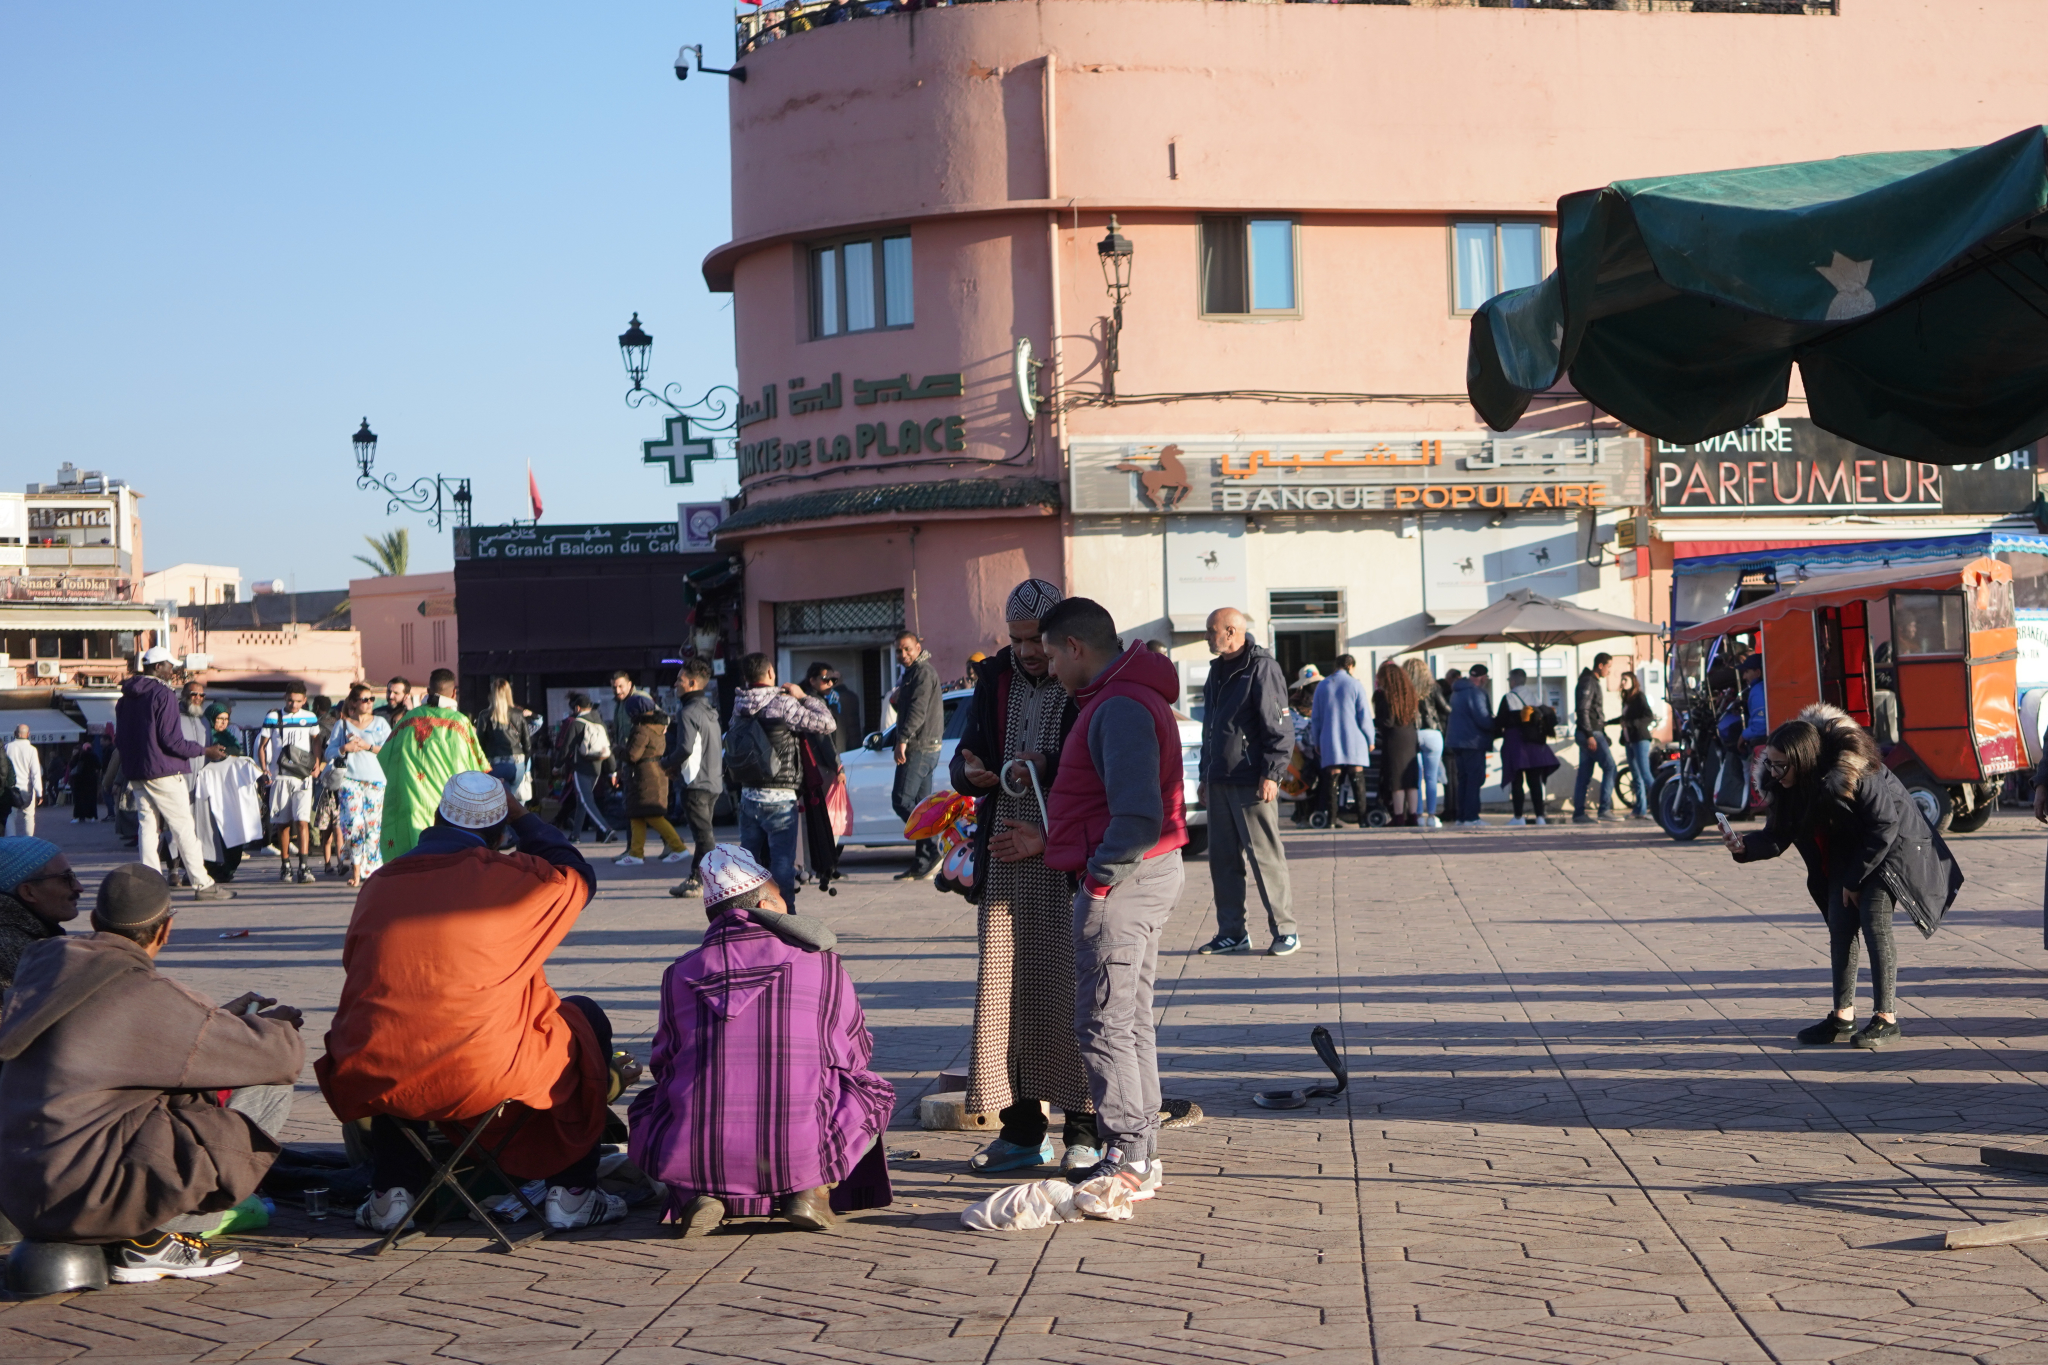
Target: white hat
{"x": 155, "y": 654}
{"x": 473, "y": 801}
{"x": 727, "y": 871}
{"x": 1309, "y": 673}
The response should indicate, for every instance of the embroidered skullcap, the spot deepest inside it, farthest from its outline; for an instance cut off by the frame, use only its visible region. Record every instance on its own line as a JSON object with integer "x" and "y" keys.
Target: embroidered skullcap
{"x": 132, "y": 896}
{"x": 727, "y": 871}
{"x": 473, "y": 801}
{"x": 22, "y": 858}
{"x": 1031, "y": 600}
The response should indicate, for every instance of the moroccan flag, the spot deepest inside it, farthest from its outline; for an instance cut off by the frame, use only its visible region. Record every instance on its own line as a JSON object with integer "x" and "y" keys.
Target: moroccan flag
{"x": 532, "y": 490}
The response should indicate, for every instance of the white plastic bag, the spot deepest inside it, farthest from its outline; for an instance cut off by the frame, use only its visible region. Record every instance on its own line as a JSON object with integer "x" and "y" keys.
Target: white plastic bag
{"x": 1041, "y": 1203}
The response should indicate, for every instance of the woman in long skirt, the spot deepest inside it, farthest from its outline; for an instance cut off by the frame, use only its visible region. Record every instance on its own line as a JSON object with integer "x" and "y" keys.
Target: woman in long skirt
{"x": 354, "y": 746}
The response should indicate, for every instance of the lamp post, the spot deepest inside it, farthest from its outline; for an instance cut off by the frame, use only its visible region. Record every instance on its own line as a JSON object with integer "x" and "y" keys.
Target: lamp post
{"x": 435, "y": 496}
{"x": 1114, "y": 250}
{"x": 636, "y": 348}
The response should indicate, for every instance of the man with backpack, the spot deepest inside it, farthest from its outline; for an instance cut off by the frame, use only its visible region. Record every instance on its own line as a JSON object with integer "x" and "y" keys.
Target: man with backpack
{"x": 761, "y": 754}
{"x": 586, "y": 751}
{"x": 696, "y": 760}
{"x": 291, "y": 758}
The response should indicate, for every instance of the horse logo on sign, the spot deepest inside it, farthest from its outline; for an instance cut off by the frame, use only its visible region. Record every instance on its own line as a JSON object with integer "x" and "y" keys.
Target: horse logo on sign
{"x": 1165, "y": 487}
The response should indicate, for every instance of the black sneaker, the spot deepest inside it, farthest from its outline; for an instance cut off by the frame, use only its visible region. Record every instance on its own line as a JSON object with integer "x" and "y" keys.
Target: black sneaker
{"x": 216, "y": 892}
{"x": 1832, "y": 1029}
{"x": 284, "y": 871}
{"x": 1226, "y": 943}
{"x": 166, "y": 1255}
{"x": 1284, "y": 945}
{"x": 1875, "y": 1034}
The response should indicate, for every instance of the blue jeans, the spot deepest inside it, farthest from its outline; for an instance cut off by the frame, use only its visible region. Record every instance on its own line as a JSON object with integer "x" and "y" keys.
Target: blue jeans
{"x": 1602, "y": 754}
{"x": 512, "y": 772}
{"x": 1471, "y": 764}
{"x": 913, "y": 785}
{"x": 1639, "y": 764}
{"x": 1429, "y": 746}
{"x": 768, "y": 831}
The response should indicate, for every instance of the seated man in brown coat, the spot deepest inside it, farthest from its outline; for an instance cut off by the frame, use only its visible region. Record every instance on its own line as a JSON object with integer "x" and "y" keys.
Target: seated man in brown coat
{"x": 111, "y": 1126}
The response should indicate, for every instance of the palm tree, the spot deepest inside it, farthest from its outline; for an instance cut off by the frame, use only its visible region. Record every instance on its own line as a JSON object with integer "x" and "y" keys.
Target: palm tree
{"x": 392, "y": 551}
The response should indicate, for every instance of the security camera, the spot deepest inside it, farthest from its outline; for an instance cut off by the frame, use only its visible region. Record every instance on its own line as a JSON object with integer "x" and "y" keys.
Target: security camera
{"x": 683, "y": 60}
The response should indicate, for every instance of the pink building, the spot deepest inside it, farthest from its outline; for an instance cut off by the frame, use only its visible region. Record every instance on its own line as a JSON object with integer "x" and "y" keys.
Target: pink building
{"x": 407, "y": 623}
{"x": 1314, "y": 198}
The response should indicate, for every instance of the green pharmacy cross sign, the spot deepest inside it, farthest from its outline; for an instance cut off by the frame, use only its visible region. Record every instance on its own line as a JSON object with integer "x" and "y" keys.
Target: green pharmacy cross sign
{"x": 677, "y": 445}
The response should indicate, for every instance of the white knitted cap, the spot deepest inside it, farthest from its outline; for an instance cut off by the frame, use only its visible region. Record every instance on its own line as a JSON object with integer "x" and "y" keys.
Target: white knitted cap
{"x": 727, "y": 871}
{"x": 473, "y": 801}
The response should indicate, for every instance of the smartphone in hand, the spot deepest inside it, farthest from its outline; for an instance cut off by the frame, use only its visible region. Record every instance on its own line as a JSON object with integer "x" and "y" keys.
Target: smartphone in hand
{"x": 1726, "y": 828}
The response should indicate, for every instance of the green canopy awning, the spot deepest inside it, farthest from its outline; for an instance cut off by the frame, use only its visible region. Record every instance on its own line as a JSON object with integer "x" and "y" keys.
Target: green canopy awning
{"x": 1911, "y": 288}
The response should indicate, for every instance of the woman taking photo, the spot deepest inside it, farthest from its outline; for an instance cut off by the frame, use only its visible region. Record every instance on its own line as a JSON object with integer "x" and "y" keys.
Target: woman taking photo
{"x": 1394, "y": 704}
{"x": 1431, "y": 715}
{"x": 502, "y": 731}
{"x": 1866, "y": 847}
{"x": 352, "y": 748}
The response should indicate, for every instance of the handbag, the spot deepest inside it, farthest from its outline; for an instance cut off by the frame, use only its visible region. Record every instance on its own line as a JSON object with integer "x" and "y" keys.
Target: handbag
{"x": 839, "y": 806}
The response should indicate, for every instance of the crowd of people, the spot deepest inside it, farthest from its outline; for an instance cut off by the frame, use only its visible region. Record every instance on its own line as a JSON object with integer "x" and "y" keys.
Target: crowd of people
{"x": 133, "y": 1114}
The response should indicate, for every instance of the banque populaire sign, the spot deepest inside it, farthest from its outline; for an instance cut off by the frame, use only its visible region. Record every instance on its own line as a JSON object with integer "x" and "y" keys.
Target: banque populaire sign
{"x": 1454, "y": 471}
{"x": 1793, "y": 467}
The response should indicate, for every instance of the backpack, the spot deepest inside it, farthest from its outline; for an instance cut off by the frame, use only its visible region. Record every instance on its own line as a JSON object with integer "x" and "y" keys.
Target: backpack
{"x": 749, "y": 752}
{"x": 597, "y": 741}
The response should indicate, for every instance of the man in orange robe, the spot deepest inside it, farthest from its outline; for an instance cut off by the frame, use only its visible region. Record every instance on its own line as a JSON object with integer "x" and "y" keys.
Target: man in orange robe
{"x": 446, "y": 1009}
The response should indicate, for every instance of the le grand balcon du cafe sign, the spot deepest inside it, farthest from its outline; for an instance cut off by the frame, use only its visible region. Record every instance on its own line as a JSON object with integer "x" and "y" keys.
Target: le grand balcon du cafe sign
{"x": 804, "y": 448}
{"x": 1415, "y": 472}
{"x": 1793, "y": 467}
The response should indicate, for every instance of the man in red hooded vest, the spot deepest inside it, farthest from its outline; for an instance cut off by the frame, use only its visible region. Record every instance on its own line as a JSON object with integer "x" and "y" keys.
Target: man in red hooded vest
{"x": 1117, "y": 824}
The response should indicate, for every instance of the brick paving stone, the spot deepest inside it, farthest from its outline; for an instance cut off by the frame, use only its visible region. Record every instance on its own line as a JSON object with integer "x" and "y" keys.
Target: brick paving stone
{"x": 1577, "y": 1132}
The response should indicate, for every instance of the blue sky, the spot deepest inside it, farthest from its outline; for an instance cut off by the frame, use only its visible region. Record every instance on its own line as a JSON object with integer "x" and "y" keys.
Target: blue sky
{"x": 234, "y": 230}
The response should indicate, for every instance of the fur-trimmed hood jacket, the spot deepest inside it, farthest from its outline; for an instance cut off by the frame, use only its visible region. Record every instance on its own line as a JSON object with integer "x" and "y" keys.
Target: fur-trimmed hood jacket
{"x": 1865, "y": 828}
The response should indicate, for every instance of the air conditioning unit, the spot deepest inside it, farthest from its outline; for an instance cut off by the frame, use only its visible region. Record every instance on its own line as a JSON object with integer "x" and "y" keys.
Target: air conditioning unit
{"x": 46, "y": 668}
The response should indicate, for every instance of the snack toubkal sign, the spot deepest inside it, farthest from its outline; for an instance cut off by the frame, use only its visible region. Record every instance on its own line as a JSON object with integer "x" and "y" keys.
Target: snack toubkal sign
{"x": 1794, "y": 467}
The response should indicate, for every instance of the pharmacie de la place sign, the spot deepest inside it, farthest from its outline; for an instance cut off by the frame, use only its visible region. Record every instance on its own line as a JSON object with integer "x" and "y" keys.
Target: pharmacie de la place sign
{"x": 1321, "y": 472}
{"x": 1793, "y": 467}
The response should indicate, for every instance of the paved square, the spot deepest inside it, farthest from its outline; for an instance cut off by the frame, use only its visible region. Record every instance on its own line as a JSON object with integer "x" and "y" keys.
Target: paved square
{"x": 1577, "y": 1133}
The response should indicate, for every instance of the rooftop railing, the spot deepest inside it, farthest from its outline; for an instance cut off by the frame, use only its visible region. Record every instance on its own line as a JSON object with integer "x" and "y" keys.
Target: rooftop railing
{"x": 772, "y": 23}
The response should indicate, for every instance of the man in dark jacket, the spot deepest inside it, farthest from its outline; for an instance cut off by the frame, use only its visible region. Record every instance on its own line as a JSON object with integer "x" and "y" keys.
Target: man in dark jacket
{"x": 111, "y": 1126}
{"x": 1468, "y": 738}
{"x": 920, "y": 726}
{"x": 1246, "y": 742}
{"x": 156, "y": 759}
{"x": 697, "y": 759}
{"x": 1590, "y": 706}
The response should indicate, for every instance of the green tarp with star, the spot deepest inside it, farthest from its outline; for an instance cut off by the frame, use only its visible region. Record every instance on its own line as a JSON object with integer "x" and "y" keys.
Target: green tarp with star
{"x": 1911, "y": 288}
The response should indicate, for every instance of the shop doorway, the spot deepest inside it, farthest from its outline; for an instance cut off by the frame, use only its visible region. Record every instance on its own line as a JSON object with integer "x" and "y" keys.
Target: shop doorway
{"x": 1294, "y": 648}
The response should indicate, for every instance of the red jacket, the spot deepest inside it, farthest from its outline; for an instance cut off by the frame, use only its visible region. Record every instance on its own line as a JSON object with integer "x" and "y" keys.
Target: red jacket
{"x": 1079, "y": 804}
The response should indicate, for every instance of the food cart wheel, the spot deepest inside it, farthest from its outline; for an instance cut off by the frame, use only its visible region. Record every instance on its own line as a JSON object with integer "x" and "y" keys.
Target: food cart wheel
{"x": 1935, "y": 803}
{"x": 1961, "y": 821}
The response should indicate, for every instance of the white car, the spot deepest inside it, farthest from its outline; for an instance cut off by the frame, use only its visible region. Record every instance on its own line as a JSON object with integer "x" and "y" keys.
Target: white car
{"x": 871, "y": 779}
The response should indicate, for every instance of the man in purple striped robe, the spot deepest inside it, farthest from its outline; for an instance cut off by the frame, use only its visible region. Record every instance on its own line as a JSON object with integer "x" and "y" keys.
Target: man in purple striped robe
{"x": 762, "y": 1103}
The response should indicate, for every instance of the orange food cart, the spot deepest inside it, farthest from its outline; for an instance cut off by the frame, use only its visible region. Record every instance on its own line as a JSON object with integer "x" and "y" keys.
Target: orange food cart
{"x": 1923, "y": 656}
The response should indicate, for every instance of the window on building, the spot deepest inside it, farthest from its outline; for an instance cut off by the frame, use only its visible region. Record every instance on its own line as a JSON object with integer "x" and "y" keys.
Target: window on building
{"x": 1248, "y": 266}
{"x": 1491, "y": 258}
{"x": 861, "y": 286}
{"x": 440, "y": 642}
{"x": 405, "y": 642}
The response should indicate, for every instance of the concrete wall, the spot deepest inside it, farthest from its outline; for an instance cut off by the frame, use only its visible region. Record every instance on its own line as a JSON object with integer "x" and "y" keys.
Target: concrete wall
{"x": 384, "y": 609}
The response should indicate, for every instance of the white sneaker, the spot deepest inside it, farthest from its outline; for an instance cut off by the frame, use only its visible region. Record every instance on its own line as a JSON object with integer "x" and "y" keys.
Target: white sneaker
{"x": 680, "y": 855}
{"x": 1149, "y": 1183}
{"x": 627, "y": 860}
{"x": 1518, "y": 820}
{"x": 1434, "y": 822}
{"x": 1080, "y": 1157}
{"x": 384, "y": 1211}
{"x": 1542, "y": 819}
{"x": 567, "y": 1208}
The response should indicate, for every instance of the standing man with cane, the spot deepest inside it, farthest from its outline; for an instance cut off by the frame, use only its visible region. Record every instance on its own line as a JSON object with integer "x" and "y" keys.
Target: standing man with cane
{"x": 1246, "y": 741}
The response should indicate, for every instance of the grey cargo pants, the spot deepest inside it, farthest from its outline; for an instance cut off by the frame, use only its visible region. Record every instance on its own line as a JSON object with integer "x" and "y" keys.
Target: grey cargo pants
{"x": 1243, "y": 829}
{"x": 1116, "y": 957}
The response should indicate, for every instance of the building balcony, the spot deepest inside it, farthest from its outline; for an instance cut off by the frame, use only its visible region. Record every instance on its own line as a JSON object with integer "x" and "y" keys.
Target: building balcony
{"x": 766, "y": 25}
{"x": 74, "y": 556}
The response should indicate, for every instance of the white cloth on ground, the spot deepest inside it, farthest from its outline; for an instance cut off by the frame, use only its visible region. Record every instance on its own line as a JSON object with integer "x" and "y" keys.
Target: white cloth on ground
{"x": 1041, "y": 1203}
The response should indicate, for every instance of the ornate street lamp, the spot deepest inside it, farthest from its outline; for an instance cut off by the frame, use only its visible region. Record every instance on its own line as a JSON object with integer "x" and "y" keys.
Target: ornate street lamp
{"x": 1114, "y": 250}
{"x": 634, "y": 347}
{"x": 435, "y": 496}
